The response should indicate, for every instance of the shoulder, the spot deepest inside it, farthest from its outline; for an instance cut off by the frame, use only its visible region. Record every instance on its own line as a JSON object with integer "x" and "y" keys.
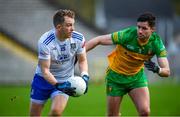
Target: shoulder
{"x": 47, "y": 38}
{"x": 128, "y": 30}
{"x": 155, "y": 38}
{"x": 158, "y": 44}
{"x": 77, "y": 36}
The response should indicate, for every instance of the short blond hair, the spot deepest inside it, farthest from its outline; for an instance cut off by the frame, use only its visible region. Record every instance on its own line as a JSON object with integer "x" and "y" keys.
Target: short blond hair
{"x": 58, "y": 17}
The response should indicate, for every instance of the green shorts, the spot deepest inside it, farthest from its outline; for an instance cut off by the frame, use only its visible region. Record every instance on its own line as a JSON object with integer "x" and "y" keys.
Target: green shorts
{"x": 119, "y": 84}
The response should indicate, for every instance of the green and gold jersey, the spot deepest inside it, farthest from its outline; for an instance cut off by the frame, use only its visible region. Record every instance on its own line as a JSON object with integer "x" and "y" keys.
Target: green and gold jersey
{"x": 129, "y": 56}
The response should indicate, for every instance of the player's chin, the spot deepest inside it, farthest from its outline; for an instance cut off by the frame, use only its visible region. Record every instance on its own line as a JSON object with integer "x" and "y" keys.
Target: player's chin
{"x": 69, "y": 35}
{"x": 141, "y": 37}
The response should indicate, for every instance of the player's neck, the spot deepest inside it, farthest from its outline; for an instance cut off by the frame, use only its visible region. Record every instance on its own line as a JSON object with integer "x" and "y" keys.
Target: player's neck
{"x": 143, "y": 42}
{"x": 60, "y": 37}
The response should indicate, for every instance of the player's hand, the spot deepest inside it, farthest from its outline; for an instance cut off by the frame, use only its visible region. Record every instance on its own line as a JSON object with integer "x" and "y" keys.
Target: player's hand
{"x": 66, "y": 88}
{"x": 151, "y": 66}
{"x": 86, "y": 79}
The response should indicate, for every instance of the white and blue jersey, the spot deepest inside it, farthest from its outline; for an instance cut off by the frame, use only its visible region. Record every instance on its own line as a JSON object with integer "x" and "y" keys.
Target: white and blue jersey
{"x": 61, "y": 53}
{"x": 62, "y": 56}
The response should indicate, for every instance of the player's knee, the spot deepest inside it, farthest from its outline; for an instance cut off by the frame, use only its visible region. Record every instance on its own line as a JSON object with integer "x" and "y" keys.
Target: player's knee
{"x": 144, "y": 112}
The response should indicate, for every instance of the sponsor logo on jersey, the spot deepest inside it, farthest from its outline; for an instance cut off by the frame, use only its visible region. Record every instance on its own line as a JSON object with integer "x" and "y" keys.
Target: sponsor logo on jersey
{"x": 130, "y": 47}
{"x": 62, "y": 58}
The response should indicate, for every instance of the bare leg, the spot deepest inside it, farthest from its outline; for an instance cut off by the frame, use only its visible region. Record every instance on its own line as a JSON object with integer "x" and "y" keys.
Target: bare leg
{"x": 113, "y": 105}
{"x": 140, "y": 97}
{"x": 58, "y": 105}
{"x": 36, "y": 109}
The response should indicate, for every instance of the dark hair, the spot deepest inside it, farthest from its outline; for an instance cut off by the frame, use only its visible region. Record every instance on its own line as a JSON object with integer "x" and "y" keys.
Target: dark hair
{"x": 58, "y": 17}
{"x": 147, "y": 17}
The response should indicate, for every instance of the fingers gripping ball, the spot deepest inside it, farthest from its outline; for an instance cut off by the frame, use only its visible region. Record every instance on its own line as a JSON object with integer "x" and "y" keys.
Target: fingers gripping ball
{"x": 66, "y": 88}
{"x": 79, "y": 84}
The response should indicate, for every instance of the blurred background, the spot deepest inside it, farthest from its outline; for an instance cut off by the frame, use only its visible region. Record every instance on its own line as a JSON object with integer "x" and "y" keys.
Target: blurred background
{"x": 22, "y": 22}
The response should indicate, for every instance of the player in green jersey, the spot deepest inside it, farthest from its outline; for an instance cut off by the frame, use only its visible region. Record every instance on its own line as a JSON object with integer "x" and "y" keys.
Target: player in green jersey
{"x": 135, "y": 46}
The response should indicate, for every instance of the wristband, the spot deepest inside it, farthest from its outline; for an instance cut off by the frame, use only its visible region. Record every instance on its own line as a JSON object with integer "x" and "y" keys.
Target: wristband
{"x": 159, "y": 70}
{"x": 84, "y": 73}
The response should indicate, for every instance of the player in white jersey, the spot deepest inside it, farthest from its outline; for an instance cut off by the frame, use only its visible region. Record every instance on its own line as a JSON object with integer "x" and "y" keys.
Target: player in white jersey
{"x": 57, "y": 50}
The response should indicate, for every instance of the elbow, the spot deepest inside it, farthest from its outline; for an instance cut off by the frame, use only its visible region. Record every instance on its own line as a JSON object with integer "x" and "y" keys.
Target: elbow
{"x": 166, "y": 74}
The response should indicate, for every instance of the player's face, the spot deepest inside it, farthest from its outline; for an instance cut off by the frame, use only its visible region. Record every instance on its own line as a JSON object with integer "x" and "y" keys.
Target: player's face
{"x": 144, "y": 31}
{"x": 67, "y": 27}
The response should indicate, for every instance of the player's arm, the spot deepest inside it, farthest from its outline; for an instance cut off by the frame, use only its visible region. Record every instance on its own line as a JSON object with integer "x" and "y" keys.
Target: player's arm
{"x": 45, "y": 64}
{"x": 83, "y": 66}
{"x": 99, "y": 40}
{"x": 82, "y": 60}
{"x": 164, "y": 70}
{"x": 64, "y": 87}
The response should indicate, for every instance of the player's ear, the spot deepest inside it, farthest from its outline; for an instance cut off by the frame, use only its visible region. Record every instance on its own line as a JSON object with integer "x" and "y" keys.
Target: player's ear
{"x": 153, "y": 29}
{"x": 59, "y": 26}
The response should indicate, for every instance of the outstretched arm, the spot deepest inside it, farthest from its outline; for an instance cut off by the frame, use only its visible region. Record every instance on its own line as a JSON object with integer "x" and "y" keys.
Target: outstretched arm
{"x": 99, "y": 40}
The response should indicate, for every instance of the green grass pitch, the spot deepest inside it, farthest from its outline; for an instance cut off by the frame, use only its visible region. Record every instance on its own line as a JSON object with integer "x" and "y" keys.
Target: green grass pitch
{"x": 165, "y": 101}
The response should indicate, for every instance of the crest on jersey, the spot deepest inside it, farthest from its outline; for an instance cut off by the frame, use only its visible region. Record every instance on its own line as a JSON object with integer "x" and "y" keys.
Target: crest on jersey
{"x": 150, "y": 51}
{"x": 109, "y": 89}
{"x": 73, "y": 46}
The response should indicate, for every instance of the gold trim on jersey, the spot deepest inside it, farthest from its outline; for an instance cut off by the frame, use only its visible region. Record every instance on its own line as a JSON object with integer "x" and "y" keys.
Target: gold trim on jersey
{"x": 163, "y": 53}
{"x": 126, "y": 62}
{"x": 115, "y": 37}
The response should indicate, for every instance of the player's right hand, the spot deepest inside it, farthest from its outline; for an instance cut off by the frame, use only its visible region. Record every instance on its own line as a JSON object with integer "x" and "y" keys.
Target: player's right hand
{"x": 66, "y": 88}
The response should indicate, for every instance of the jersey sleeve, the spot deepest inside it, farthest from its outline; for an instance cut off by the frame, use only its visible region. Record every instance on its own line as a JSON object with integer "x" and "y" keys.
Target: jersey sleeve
{"x": 160, "y": 49}
{"x": 43, "y": 51}
{"x": 122, "y": 36}
{"x": 80, "y": 41}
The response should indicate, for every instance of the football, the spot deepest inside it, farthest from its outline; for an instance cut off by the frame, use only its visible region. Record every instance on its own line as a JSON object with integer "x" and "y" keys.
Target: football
{"x": 79, "y": 84}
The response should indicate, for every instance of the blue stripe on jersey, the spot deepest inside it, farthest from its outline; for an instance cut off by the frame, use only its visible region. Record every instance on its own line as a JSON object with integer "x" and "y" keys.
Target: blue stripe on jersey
{"x": 49, "y": 39}
{"x": 77, "y": 36}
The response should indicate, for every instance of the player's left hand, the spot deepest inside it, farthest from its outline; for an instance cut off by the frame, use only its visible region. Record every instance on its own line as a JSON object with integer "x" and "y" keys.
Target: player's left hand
{"x": 86, "y": 79}
{"x": 151, "y": 66}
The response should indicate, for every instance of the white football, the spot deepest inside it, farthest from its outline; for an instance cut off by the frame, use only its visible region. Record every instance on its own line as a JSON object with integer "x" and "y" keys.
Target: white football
{"x": 79, "y": 84}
